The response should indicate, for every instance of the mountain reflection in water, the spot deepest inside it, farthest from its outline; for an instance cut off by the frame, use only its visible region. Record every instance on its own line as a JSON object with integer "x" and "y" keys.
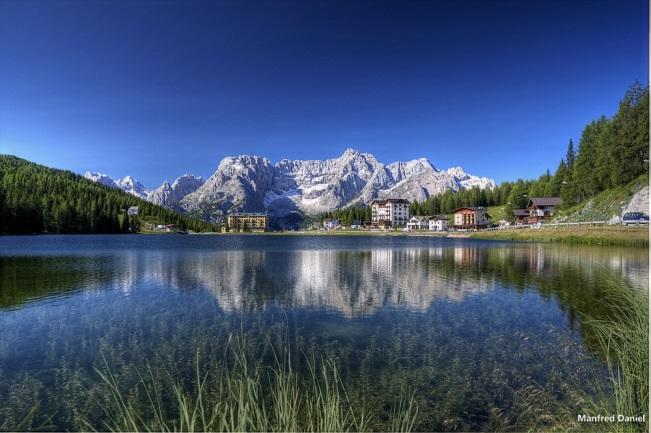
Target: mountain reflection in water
{"x": 478, "y": 330}
{"x": 352, "y": 282}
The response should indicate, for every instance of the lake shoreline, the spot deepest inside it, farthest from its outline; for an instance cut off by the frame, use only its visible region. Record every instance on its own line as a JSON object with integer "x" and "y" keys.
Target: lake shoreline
{"x": 600, "y": 235}
{"x": 624, "y": 236}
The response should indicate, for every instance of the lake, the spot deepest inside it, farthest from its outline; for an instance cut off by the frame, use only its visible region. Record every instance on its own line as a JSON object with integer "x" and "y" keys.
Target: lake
{"x": 484, "y": 334}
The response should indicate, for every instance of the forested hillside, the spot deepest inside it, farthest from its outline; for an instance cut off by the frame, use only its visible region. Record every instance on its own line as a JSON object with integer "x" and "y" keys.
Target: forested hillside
{"x": 611, "y": 153}
{"x": 38, "y": 199}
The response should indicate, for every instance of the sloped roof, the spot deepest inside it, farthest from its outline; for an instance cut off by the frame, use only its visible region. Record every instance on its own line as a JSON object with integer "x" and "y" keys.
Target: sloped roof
{"x": 544, "y": 201}
{"x": 520, "y": 212}
{"x": 390, "y": 200}
{"x": 481, "y": 209}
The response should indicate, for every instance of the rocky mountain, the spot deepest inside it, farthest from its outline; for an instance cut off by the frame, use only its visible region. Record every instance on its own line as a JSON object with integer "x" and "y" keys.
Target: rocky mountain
{"x": 469, "y": 181}
{"x": 101, "y": 178}
{"x": 253, "y": 184}
{"x": 249, "y": 183}
{"x": 127, "y": 183}
{"x": 170, "y": 195}
{"x": 132, "y": 186}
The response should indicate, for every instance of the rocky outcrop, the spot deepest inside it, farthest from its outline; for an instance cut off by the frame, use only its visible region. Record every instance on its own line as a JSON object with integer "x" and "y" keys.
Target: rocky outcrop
{"x": 170, "y": 195}
{"x": 249, "y": 183}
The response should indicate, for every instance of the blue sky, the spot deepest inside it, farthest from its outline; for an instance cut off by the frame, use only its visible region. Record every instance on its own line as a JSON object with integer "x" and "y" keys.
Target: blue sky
{"x": 157, "y": 89}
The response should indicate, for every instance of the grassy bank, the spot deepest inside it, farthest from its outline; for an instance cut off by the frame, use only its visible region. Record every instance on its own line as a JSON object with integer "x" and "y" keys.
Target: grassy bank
{"x": 597, "y": 235}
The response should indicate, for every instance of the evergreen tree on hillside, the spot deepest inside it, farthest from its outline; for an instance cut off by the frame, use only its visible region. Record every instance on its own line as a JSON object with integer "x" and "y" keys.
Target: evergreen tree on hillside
{"x": 611, "y": 153}
{"x": 38, "y": 199}
{"x": 570, "y": 155}
{"x": 630, "y": 146}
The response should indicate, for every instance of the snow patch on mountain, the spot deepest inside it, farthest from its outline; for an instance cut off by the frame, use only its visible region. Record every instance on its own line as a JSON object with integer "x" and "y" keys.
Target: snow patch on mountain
{"x": 133, "y": 187}
{"x": 100, "y": 178}
{"x": 250, "y": 183}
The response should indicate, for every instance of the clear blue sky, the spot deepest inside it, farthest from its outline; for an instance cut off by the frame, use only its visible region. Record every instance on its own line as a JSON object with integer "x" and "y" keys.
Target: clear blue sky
{"x": 156, "y": 89}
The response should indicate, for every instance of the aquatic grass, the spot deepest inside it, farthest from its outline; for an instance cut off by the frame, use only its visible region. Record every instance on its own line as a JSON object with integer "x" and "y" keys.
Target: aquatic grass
{"x": 241, "y": 395}
{"x": 624, "y": 339}
{"x": 404, "y": 414}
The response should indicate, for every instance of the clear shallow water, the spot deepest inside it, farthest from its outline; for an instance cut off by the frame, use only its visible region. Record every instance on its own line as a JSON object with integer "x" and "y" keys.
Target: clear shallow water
{"x": 478, "y": 330}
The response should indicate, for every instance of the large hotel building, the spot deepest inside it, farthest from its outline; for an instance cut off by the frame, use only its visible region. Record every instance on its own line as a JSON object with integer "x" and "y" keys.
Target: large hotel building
{"x": 391, "y": 212}
{"x": 254, "y": 222}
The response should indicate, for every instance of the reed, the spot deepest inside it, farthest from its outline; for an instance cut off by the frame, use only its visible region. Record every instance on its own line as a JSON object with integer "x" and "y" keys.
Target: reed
{"x": 241, "y": 395}
{"x": 624, "y": 339}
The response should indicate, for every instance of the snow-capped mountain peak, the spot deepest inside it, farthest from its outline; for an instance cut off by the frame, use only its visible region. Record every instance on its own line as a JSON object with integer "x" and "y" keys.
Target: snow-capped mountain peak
{"x": 133, "y": 187}
{"x": 100, "y": 178}
{"x": 251, "y": 183}
{"x": 469, "y": 181}
{"x": 169, "y": 195}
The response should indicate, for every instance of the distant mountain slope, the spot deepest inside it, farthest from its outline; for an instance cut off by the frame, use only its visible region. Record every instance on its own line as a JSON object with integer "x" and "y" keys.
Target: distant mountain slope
{"x": 126, "y": 184}
{"x": 250, "y": 183}
{"x": 170, "y": 195}
{"x": 35, "y": 199}
{"x": 254, "y": 184}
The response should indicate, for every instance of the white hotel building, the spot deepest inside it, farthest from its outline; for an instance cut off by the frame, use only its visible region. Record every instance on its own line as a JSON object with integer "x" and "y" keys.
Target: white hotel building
{"x": 390, "y": 212}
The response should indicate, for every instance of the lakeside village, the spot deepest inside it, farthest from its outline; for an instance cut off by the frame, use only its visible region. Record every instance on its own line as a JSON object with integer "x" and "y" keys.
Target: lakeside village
{"x": 394, "y": 214}
{"x": 391, "y": 214}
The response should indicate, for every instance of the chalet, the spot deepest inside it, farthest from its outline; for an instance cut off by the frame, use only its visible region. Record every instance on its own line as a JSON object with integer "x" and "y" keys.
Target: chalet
{"x": 133, "y": 211}
{"x": 331, "y": 224}
{"x": 255, "y": 222}
{"x": 389, "y": 212}
{"x": 470, "y": 218}
{"x": 418, "y": 223}
{"x": 520, "y": 216}
{"x": 355, "y": 224}
{"x": 541, "y": 208}
{"x": 438, "y": 223}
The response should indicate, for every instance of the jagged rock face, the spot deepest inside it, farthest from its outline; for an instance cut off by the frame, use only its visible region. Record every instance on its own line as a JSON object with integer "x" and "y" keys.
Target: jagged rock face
{"x": 127, "y": 183}
{"x": 253, "y": 184}
{"x": 318, "y": 186}
{"x": 133, "y": 187}
{"x": 239, "y": 184}
{"x": 248, "y": 183}
{"x": 100, "y": 178}
{"x": 170, "y": 195}
{"x": 468, "y": 181}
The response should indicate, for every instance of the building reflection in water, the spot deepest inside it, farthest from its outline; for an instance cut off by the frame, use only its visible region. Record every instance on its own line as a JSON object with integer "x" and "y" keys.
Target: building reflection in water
{"x": 359, "y": 282}
{"x": 352, "y": 282}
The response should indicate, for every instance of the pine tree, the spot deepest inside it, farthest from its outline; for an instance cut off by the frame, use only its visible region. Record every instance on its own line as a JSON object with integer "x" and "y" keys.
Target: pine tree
{"x": 570, "y": 155}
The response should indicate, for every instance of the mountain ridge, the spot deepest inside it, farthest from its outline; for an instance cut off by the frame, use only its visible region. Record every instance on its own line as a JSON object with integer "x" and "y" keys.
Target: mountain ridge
{"x": 252, "y": 183}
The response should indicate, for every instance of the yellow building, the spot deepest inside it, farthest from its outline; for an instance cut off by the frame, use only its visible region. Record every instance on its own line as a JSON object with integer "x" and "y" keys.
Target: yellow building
{"x": 253, "y": 222}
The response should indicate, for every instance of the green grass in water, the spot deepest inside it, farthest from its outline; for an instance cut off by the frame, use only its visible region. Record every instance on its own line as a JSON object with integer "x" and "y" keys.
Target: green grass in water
{"x": 242, "y": 396}
{"x": 624, "y": 339}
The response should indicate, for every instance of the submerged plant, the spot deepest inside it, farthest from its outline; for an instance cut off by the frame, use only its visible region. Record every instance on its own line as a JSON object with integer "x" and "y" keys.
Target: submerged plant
{"x": 240, "y": 394}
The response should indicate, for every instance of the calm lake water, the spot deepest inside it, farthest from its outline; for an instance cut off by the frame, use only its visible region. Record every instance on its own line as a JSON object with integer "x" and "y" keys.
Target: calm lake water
{"x": 479, "y": 331}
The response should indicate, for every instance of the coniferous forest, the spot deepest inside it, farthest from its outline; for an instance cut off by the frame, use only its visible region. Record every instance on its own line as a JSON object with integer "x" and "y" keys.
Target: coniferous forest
{"x": 38, "y": 199}
{"x": 611, "y": 152}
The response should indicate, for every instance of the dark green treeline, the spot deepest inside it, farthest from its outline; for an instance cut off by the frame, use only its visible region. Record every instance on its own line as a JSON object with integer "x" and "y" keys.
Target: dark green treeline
{"x": 612, "y": 152}
{"x": 38, "y": 199}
